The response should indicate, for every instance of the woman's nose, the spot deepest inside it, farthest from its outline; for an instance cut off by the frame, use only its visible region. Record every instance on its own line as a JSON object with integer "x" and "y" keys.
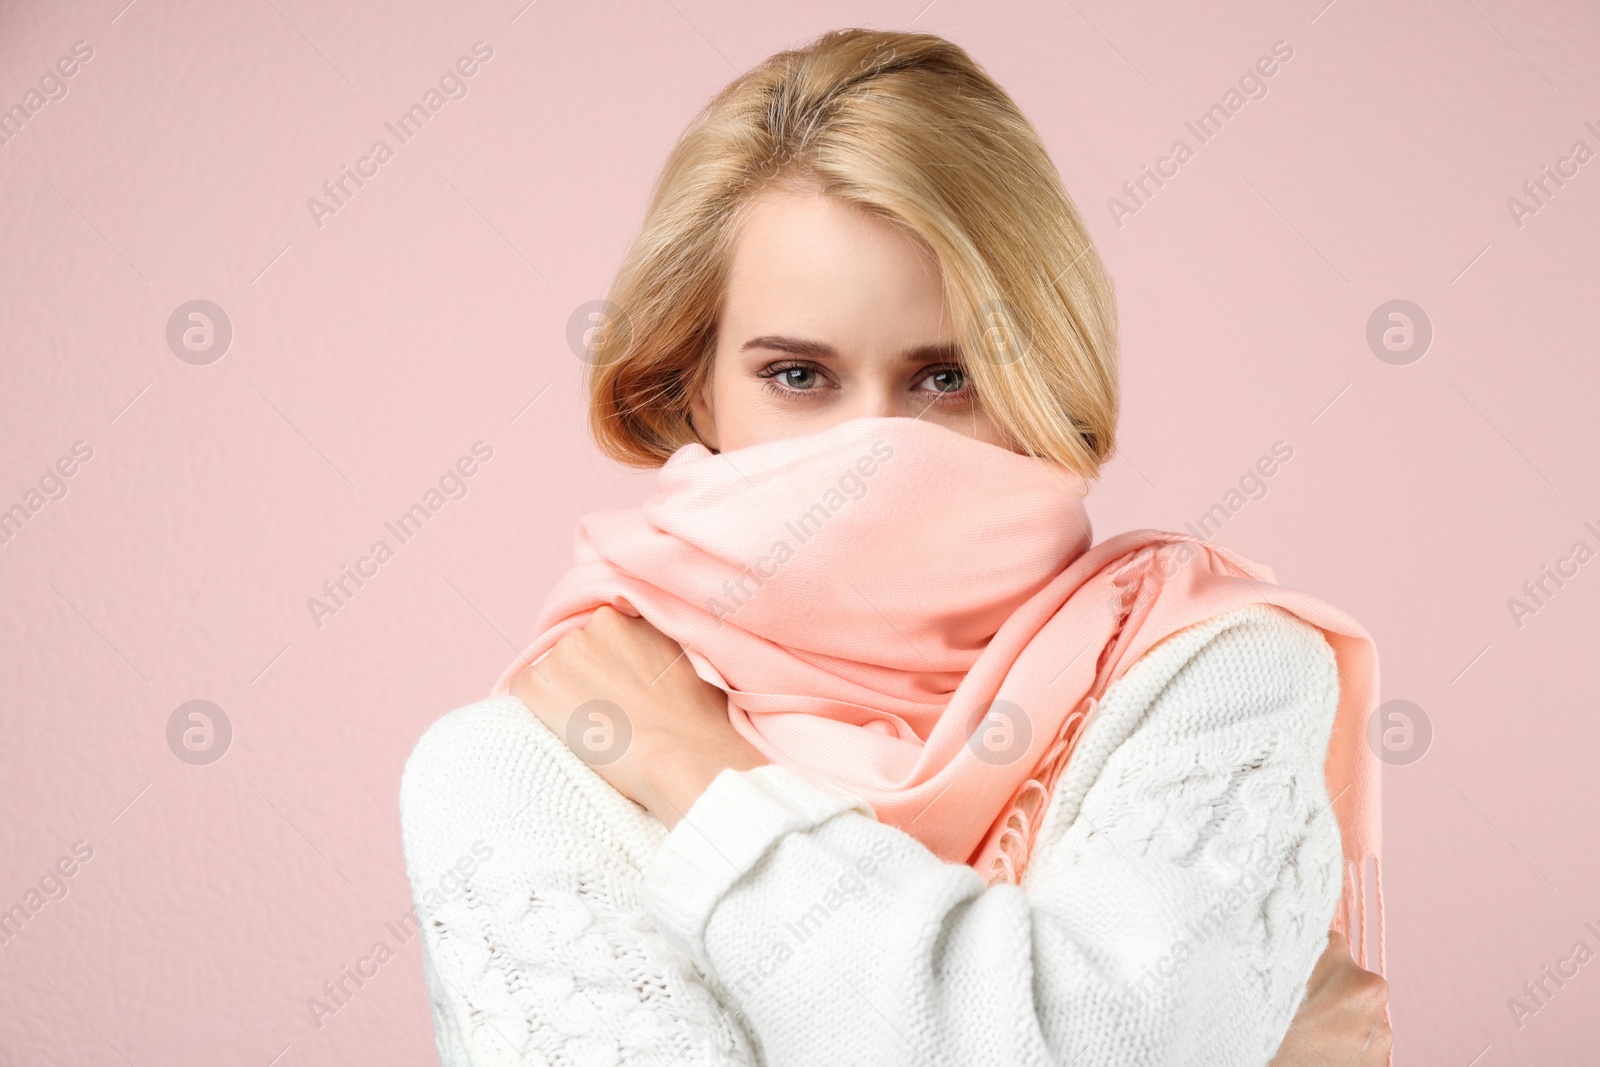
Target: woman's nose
{"x": 877, "y": 401}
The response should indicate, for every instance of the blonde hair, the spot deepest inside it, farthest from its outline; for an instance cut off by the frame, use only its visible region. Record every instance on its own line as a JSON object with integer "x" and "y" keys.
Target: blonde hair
{"x": 906, "y": 126}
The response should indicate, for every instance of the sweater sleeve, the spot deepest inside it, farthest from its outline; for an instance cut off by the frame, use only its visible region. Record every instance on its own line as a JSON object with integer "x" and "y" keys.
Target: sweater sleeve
{"x": 1178, "y": 897}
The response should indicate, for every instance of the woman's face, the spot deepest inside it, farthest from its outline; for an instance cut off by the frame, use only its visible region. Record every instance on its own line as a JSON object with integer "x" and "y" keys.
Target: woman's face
{"x": 830, "y": 314}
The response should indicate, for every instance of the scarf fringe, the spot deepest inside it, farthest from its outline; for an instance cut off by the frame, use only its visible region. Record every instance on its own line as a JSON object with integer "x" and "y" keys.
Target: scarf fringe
{"x": 1025, "y": 810}
{"x": 1351, "y": 919}
{"x": 1377, "y": 877}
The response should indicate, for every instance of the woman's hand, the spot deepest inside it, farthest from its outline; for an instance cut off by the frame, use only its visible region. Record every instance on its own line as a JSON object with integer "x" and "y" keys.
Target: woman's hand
{"x": 625, "y": 698}
{"x": 1341, "y": 1023}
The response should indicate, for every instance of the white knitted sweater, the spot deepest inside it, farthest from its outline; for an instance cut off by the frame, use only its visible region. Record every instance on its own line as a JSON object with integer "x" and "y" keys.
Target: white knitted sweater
{"x": 1178, "y": 896}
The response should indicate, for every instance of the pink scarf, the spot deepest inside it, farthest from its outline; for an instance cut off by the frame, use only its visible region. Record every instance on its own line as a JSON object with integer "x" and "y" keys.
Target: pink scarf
{"x": 919, "y": 618}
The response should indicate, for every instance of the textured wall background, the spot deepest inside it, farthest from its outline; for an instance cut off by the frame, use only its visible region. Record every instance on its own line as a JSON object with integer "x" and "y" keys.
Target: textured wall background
{"x": 206, "y": 492}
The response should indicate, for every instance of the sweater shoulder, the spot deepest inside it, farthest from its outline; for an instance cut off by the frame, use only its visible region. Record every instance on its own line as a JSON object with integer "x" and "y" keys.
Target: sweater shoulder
{"x": 455, "y": 764}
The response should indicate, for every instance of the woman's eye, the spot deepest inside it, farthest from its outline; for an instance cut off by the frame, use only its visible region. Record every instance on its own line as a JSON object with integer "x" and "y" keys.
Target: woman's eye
{"x": 948, "y": 379}
{"x": 788, "y": 382}
{"x": 797, "y": 377}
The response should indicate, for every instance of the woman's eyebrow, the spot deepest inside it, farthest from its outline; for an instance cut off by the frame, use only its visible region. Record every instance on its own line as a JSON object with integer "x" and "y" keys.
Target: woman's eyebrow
{"x": 799, "y": 346}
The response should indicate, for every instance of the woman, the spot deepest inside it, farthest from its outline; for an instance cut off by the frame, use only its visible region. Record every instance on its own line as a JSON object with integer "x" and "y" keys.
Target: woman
{"x": 651, "y": 887}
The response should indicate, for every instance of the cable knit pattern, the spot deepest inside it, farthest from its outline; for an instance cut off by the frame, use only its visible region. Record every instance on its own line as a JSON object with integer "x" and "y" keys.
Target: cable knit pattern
{"x": 1179, "y": 895}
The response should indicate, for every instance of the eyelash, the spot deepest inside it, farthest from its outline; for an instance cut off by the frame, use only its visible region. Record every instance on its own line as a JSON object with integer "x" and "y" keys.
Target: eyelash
{"x": 771, "y": 373}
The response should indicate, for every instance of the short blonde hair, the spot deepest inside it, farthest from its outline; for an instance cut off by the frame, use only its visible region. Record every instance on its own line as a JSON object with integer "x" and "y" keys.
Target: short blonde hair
{"x": 906, "y": 126}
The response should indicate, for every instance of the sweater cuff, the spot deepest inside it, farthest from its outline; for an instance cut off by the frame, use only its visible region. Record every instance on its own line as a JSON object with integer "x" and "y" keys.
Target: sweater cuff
{"x": 722, "y": 836}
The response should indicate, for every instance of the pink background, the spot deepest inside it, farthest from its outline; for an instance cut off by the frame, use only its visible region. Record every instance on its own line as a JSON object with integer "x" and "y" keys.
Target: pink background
{"x": 371, "y": 352}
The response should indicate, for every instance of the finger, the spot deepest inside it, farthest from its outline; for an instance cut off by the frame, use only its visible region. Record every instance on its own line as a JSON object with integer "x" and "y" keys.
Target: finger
{"x": 1381, "y": 1047}
{"x": 1333, "y": 958}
